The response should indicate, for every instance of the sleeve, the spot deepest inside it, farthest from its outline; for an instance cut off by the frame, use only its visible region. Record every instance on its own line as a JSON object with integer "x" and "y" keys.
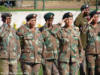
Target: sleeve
{"x": 20, "y": 33}
{"x": 43, "y": 46}
{"x": 88, "y": 40}
{"x": 77, "y": 21}
{"x": 80, "y": 47}
{"x": 81, "y": 51}
{"x": 18, "y": 48}
{"x": 56, "y": 32}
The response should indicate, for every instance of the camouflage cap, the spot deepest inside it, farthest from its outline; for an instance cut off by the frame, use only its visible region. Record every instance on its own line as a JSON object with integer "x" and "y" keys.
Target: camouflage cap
{"x": 67, "y": 15}
{"x": 84, "y": 7}
{"x": 30, "y": 16}
{"x": 48, "y": 16}
{"x": 4, "y": 15}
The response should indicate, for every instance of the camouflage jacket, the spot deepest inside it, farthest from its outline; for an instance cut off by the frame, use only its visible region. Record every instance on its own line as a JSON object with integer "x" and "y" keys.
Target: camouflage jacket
{"x": 93, "y": 40}
{"x": 51, "y": 43}
{"x": 54, "y": 27}
{"x": 31, "y": 44}
{"x": 43, "y": 27}
{"x": 70, "y": 48}
{"x": 82, "y": 23}
{"x": 9, "y": 43}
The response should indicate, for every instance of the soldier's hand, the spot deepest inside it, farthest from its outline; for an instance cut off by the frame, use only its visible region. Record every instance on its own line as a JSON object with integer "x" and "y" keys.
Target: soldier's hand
{"x": 62, "y": 22}
{"x": 82, "y": 56}
{"x": 81, "y": 60}
{"x": 90, "y": 20}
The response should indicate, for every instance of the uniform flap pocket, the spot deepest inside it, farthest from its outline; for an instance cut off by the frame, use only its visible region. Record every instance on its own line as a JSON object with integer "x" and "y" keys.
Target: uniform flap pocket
{"x": 28, "y": 37}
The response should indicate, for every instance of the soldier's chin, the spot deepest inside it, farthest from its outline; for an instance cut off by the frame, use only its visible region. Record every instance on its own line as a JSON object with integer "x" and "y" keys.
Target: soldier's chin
{"x": 8, "y": 23}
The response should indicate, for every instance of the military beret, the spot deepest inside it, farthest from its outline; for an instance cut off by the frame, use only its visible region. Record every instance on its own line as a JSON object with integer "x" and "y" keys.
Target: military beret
{"x": 92, "y": 13}
{"x": 4, "y": 15}
{"x": 67, "y": 15}
{"x": 30, "y": 16}
{"x": 84, "y": 7}
{"x": 48, "y": 16}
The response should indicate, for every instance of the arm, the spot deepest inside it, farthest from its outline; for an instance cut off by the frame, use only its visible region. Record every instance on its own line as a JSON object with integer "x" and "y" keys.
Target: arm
{"x": 77, "y": 21}
{"x": 81, "y": 51}
{"x": 19, "y": 48}
{"x": 43, "y": 45}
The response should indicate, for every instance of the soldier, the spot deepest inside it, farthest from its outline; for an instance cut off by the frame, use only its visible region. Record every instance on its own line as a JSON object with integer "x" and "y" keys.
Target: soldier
{"x": 70, "y": 48}
{"x": 82, "y": 22}
{"x": 93, "y": 45}
{"x": 52, "y": 46}
{"x": 49, "y": 20}
{"x": 9, "y": 47}
{"x": 32, "y": 46}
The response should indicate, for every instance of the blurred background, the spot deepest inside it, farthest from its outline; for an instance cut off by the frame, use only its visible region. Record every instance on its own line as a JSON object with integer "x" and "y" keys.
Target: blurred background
{"x": 48, "y": 4}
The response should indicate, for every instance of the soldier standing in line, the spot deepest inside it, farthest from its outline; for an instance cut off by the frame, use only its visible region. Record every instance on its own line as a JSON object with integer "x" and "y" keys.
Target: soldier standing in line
{"x": 9, "y": 47}
{"x": 93, "y": 45}
{"x": 32, "y": 46}
{"x": 82, "y": 22}
{"x": 52, "y": 46}
{"x": 71, "y": 51}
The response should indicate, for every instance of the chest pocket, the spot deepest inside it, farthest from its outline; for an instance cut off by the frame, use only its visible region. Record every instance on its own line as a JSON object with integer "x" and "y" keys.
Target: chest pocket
{"x": 28, "y": 36}
{"x": 75, "y": 39}
{"x": 65, "y": 38}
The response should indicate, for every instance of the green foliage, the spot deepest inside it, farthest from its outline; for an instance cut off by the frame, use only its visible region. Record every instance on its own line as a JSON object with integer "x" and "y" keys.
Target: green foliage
{"x": 3, "y": 8}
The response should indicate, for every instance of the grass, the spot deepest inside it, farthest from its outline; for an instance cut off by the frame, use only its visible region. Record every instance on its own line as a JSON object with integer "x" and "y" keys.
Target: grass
{"x": 20, "y": 72}
{"x": 19, "y": 69}
{"x": 18, "y": 10}
{"x": 5, "y": 9}
{"x": 40, "y": 73}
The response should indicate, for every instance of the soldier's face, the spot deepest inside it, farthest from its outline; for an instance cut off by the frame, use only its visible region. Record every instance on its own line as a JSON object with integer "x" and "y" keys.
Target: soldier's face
{"x": 8, "y": 20}
{"x": 95, "y": 18}
{"x": 69, "y": 21}
{"x": 86, "y": 11}
{"x": 32, "y": 22}
{"x": 50, "y": 21}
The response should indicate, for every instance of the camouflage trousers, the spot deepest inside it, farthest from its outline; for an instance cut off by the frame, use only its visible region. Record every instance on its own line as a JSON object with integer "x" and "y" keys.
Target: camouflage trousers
{"x": 8, "y": 67}
{"x": 30, "y": 68}
{"x": 50, "y": 68}
{"x": 93, "y": 64}
{"x": 68, "y": 68}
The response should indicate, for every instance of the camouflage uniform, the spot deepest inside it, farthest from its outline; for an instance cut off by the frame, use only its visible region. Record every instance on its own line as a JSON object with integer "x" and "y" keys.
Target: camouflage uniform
{"x": 9, "y": 50}
{"x": 70, "y": 51}
{"x": 93, "y": 50}
{"x": 32, "y": 47}
{"x": 82, "y": 23}
{"x": 51, "y": 52}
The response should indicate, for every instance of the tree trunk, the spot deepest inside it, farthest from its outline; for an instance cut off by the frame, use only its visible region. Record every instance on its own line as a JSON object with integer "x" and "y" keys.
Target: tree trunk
{"x": 18, "y": 3}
